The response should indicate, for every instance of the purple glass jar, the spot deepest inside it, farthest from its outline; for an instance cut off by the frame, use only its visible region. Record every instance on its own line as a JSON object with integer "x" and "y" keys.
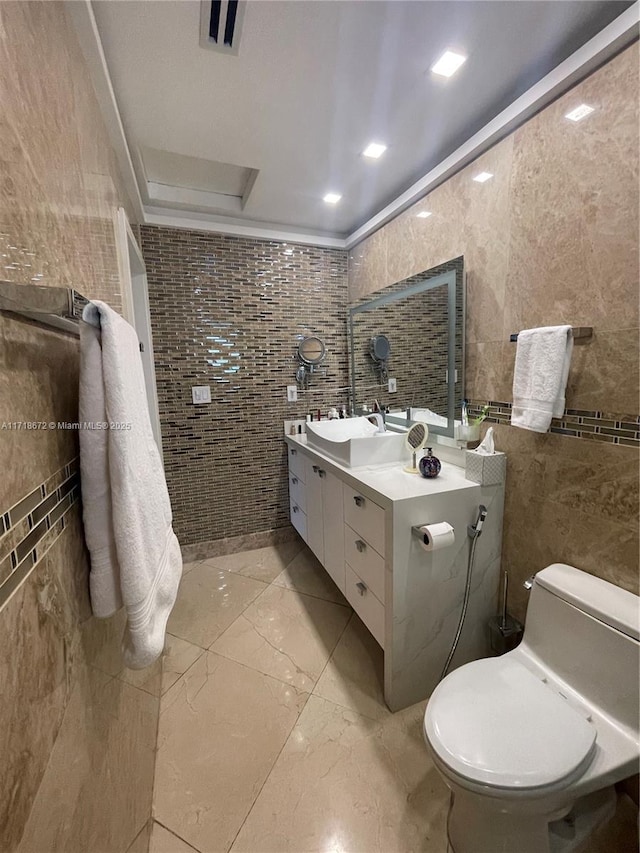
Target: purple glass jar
{"x": 430, "y": 465}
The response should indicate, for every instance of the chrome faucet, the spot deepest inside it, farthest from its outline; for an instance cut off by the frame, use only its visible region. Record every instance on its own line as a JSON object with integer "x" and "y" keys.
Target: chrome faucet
{"x": 377, "y": 418}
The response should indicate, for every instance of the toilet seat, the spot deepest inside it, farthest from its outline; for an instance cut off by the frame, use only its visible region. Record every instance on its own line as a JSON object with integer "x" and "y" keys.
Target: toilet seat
{"x": 494, "y": 723}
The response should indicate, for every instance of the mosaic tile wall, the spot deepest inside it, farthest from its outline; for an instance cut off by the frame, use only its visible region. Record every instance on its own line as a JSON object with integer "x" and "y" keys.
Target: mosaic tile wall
{"x": 228, "y": 312}
{"x": 552, "y": 238}
{"x": 417, "y": 330}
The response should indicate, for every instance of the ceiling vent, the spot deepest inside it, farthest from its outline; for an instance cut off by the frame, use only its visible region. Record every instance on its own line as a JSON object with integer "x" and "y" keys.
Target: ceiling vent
{"x": 220, "y": 25}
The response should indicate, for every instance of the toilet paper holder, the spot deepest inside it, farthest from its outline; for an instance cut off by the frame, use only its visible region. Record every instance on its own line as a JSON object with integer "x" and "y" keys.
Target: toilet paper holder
{"x": 432, "y": 537}
{"x": 419, "y": 533}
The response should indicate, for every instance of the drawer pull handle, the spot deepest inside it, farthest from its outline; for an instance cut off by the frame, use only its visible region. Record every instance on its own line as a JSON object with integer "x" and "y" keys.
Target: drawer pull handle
{"x": 360, "y": 545}
{"x": 321, "y": 473}
{"x": 361, "y": 587}
{"x": 294, "y": 480}
{"x": 359, "y": 500}
{"x": 295, "y": 509}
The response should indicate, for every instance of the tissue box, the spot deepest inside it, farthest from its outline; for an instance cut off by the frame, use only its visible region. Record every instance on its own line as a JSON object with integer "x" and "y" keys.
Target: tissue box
{"x": 486, "y": 470}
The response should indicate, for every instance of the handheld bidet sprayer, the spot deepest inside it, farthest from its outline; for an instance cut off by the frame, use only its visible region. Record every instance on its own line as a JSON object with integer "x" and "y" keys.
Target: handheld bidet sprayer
{"x": 473, "y": 531}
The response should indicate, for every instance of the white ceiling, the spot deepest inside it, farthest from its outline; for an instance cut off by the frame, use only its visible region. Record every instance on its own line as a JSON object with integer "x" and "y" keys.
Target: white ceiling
{"x": 313, "y": 83}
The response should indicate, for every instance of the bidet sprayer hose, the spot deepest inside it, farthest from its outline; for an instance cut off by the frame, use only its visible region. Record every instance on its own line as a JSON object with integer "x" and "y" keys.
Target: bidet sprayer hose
{"x": 473, "y": 531}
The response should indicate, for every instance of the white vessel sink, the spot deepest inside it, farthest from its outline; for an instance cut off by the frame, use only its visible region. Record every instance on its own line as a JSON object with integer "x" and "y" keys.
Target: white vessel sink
{"x": 354, "y": 442}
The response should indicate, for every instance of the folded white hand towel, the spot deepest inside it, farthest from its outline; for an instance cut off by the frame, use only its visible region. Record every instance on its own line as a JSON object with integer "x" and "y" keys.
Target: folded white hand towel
{"x": 543, "y": 357}
{"x": 135, "y": 555}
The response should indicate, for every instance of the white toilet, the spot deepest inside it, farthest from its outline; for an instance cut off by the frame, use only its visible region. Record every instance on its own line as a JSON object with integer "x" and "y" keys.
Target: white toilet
{"x": 531, "y": 743}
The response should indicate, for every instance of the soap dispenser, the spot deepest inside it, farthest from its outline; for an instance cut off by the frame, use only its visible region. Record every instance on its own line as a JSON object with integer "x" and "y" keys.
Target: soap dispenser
{"x": 430, "y": 466}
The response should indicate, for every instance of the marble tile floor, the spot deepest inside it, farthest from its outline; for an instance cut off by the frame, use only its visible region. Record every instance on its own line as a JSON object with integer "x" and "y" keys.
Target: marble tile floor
{"x": 274, "y": 736}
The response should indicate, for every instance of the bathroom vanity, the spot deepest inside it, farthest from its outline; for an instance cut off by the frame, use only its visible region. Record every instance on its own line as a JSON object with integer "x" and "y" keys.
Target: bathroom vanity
{"x": 358, "y": 522}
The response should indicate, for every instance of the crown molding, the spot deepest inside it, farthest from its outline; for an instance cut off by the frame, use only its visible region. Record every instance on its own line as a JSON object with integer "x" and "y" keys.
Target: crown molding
{"x": 246, "y": 228}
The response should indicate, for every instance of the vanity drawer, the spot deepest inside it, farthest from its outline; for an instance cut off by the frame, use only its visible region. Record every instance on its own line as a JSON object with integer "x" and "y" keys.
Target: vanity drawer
{"x": 296, "y": 462}
{"x": 365, "y": 517}
{"x": 297, "y": 491}
{"x": 366, "y": 605}
{"x": 365, "y": 560}
{"x": 298, "y": 519}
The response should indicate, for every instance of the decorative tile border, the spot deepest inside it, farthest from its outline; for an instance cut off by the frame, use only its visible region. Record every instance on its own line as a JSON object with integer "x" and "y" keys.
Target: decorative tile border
{"x": 614, "y": 428}
{"x": 30, "y": 527}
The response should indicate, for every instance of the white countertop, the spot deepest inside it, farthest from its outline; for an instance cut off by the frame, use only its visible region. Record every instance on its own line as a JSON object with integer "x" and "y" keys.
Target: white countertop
{"x": 389, "y": 481}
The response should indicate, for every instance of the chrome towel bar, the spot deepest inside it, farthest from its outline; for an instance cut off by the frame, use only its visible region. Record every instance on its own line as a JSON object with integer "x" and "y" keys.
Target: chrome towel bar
{"x": 579, "y": 333}
{"x": 57, "y": 307}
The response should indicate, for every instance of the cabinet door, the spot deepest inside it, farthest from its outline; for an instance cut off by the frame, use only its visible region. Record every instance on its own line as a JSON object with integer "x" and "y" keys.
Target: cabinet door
{"x": 315, "y": 522}
{"x": 333, "y": 524}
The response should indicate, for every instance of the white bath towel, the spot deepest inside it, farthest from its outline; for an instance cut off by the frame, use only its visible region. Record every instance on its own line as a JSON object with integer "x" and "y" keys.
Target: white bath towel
{"x": 135, "y": 555}
{"x": 543, "y": 357}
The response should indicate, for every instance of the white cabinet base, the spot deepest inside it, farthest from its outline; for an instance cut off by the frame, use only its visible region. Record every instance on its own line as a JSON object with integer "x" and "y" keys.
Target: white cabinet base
{"x": 366, "y": 605}
{"x": 358, "y": 523}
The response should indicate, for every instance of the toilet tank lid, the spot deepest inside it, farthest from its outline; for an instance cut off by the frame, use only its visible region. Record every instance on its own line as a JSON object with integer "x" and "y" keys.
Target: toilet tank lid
{"x": 612, "y": 605}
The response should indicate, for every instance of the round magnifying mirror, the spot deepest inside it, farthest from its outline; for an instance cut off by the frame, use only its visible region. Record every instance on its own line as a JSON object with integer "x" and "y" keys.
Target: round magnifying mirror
{"x": 311, "y": 350}
{"x": 380, "y": 348}
{"x": 416, "y": 439}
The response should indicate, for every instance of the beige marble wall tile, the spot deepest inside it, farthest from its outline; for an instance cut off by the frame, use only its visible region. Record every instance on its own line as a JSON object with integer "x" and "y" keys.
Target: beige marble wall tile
{"x": 604, "y": 372}
{"x": 35, "y": 678}
{"x": 107, "y": 725}
{"x": 33, "y": 363}
{"x": 415, "y": 244}
{"x": 574, "y": 208}
{"x": 367, "y": 265}
{"x": 568, "y": 501}
{"x": 594, "y": 478}
{"x": 59, "y": 190}
{"x": 60, "y": 182}
{"x": 551, "y": 238}
{"x": 467, "y": 218}
{"x": 486, "y": 377}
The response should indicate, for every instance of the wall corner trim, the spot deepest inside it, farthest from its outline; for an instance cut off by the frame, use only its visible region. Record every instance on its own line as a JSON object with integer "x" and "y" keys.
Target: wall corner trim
{"x": 81, "y": 15}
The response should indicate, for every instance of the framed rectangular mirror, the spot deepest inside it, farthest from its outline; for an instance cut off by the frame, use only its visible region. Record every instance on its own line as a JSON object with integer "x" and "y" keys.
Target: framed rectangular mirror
{"x": 411, "y": 336}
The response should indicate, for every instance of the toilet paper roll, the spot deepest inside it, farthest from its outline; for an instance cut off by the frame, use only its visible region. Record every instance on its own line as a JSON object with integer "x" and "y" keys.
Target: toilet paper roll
{"x": 437, "y": 536}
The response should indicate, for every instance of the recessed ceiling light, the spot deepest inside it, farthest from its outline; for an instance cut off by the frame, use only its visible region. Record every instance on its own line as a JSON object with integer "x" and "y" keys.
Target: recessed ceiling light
{"x": 332, "y": 198}
{"x": 580, "y": 112}
{"x": 423, "y": 214}
{"x": 448, "y": 63}
{"x": 374, "y": 150}
{"x": 481, "y": 177}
